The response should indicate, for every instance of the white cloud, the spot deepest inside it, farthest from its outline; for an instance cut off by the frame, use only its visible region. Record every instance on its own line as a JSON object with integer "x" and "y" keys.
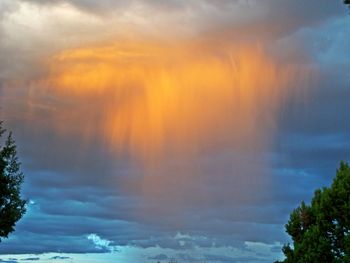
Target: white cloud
{"x": 101, "y": 243}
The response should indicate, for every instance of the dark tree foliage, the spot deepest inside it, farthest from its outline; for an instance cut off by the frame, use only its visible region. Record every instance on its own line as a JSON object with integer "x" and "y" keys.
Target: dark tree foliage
{"x": 321, "y": 231}
{"x": 12, "y": 206}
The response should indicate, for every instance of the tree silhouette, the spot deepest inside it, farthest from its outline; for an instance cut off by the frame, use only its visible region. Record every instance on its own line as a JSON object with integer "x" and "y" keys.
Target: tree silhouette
{"x": 12, "y": 206}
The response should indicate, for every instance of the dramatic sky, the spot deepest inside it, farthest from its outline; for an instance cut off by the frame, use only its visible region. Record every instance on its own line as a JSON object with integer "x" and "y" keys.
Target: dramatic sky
{"x": 159, "y": 129}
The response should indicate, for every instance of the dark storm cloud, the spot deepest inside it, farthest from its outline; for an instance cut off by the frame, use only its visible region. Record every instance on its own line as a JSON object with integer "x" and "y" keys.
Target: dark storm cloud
{"x": 51, "y": 240}
{"x": 275, "y": 17}
{"x": 316, "y": 132}
{"x": 79, "y": 188}
{"x": 87, "y": 181}
{"x": 314, "y": 138}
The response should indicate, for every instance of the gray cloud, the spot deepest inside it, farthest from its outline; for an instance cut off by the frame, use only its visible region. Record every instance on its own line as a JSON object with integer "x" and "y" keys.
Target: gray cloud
{"x": 81, "y": 188}
{"x": 219, "y": 258}
{"x": 60, "y": 257}
{"x": 159, "y": 257}
{"x": 9, "y": 260}
{"x": 7, "y": 6}
{"x": 275, "y": 17}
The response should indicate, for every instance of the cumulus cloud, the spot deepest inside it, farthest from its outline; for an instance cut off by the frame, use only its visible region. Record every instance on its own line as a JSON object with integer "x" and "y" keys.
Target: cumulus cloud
{"x": 100, "y": 243}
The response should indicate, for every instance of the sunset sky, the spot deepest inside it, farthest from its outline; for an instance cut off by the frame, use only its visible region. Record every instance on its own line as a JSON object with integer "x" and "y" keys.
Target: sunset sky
{"x": 159, "y": 129}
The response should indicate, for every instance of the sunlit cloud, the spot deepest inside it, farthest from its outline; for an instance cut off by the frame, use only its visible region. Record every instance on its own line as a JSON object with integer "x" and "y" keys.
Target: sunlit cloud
{"x": 169, "y": 105}
{"x": 175, "y": 128}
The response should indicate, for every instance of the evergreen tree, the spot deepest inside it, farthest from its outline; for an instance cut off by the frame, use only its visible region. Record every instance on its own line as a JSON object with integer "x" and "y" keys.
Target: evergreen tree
{"x": 12, "y": 206}
{"x": 321, "y": 231}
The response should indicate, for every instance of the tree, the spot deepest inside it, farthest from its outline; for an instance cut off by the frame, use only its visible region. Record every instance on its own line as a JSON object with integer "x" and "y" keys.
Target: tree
{"x": 347, "y": 2}
{"x": 12, "y": 206}
{"x": 321, "y": 231}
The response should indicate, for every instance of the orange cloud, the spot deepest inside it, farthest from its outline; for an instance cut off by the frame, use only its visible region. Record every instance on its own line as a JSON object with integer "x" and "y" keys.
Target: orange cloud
{"x": 162, "y": 102}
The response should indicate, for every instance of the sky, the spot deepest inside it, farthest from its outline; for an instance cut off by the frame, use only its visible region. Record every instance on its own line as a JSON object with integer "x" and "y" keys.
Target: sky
{"x": 158, "y": 130}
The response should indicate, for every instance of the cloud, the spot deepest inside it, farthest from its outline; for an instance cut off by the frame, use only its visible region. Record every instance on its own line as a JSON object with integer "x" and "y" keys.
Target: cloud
{"x": 159, "y": 257}
{"x": 60, "y": 257}
{"x": 145, "y": 204}
{"x": 187, "y": 257}
{"x": 102, "y": 244}
{"x": 219, "y": 258}
{"x": 9, "y": 260}
{"x": 62, "y": 129}
{"x": 7, "y": 6}
{"x": 89, "y": 6}
{"x": 275, "y": 17}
